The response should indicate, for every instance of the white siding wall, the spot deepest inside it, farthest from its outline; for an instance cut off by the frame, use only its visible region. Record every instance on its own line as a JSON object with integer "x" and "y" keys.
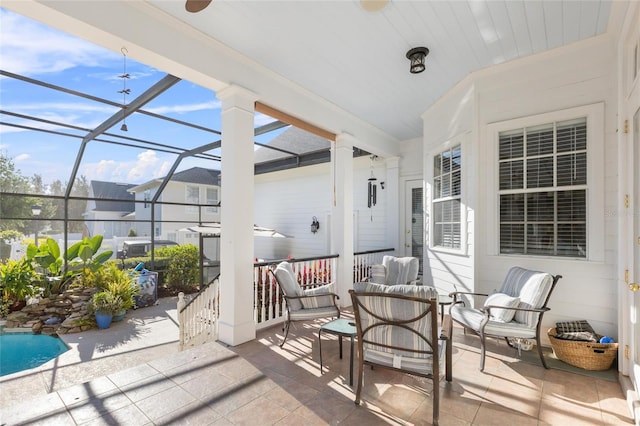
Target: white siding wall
{"x": 449, "y": 123}
{"x": 288, "y": 200}
{"x": 574, "y": 76}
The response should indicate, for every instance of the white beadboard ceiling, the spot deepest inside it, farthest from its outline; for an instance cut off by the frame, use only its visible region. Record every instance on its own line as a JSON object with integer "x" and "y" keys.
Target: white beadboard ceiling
{"x": 356, "y": 59}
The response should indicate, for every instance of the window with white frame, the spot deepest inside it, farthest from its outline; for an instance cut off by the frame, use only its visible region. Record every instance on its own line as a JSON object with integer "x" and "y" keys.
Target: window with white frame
{"x": 447, "y": 190}
{"x": 147, "y": 198}
{"x": 192, "y": 197}
{"x": 212, "y": 198}
{"x": 543, "y": 189}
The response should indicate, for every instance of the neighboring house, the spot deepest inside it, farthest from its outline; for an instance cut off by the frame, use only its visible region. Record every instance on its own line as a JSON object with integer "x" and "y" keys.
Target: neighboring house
{"x": 193, "y": 186}
{"x": 305, "y": 192}
{"x": 109, "y": 209}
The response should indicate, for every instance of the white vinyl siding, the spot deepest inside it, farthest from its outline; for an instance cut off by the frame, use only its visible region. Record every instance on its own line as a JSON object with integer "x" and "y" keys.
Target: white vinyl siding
{"x": 447, "y": 185}
{"x": 543, "y": 189}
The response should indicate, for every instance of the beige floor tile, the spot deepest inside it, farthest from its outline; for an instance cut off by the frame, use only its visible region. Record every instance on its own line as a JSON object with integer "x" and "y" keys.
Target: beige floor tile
{"x": 493, "y": 414}
{"x": 269, "y": 413}
{"x": 560, "y": 411}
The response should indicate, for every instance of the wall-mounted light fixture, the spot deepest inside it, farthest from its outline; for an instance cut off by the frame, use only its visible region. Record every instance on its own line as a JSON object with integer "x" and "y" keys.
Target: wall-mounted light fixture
{"x": 417, "y": 56}
{"x": 315, "y": 225}
{"x": 381, "y": 185}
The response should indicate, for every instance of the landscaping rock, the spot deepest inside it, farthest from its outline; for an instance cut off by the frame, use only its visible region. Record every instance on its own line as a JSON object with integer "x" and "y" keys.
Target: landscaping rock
{"x": 63, "y": 313}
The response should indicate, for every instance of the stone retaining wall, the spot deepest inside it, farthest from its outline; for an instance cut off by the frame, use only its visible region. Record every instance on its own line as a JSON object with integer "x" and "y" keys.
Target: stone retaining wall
{"x": 62, "y": 313}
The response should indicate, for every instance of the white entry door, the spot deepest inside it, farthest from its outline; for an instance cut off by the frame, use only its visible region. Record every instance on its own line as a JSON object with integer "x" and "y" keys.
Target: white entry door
{"x": 414, "y": 220}
{"x": 633, "y": 265}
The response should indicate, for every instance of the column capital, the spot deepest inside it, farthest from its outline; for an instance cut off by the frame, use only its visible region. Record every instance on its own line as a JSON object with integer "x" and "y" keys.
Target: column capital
{"x": 237, "y": 96}
{"x": 345, "y": 140}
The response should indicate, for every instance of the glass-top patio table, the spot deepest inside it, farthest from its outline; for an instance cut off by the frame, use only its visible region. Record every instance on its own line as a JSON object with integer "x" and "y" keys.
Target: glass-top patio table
{"x": 340, "y": 327}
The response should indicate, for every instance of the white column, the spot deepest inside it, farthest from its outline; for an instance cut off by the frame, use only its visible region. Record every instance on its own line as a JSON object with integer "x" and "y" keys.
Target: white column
{"x": 394, "y": 237}
{"x": 236, "y": 216}
{"x": 342, "y": 214}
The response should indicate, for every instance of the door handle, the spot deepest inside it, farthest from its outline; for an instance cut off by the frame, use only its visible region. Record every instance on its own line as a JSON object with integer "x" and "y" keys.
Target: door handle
{"x": 634, "y": 286}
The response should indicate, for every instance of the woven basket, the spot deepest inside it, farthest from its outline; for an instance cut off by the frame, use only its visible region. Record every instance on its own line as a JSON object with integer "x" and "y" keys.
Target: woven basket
{"x": 586, "y": 355}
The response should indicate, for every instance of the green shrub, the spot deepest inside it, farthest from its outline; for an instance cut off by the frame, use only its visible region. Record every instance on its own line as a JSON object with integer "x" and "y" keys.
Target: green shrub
{"x": 182, "y": 273}
{"x": 18, "y": 280}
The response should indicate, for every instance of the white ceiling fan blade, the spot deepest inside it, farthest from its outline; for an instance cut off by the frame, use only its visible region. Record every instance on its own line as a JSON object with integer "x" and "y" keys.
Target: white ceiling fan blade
{"x": 194, "y": 6}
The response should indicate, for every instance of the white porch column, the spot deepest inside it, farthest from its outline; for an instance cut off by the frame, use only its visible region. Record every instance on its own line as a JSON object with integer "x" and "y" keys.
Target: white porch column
{"x": 393, "y": 236}
{"x": 236, "y": 216}
{"x": 342, "y": 214}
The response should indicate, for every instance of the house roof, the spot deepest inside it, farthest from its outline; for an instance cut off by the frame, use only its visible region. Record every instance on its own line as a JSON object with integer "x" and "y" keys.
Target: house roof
{"x": 106, "y": 194}
{"x": 198, "y": 175}
{"x": 292, "y": 140}
{"x": 294, "y": 148}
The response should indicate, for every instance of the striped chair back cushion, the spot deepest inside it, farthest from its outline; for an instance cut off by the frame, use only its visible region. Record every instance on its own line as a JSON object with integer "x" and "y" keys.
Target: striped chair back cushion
{"x": 390, "y": 308}
{"x": 288, "y": 284}
{"x": 401, "y": 270}
{"x": 532, "y": 287}
{"x": 378, "y": 274}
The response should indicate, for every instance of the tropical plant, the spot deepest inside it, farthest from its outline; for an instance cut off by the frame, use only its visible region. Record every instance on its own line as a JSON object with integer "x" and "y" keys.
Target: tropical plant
{"x": 84, "y": 254}
{"x": 17, "y": 279}
{"x": 121, "y": 284}
{"x": 104, "y": 302}
{"x": 82, "y": 258}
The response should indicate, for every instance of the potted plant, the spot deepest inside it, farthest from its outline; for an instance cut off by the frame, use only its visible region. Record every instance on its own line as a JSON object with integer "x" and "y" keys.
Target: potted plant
{"x": 122, "y": 285}
{"x": 103, "y": 305}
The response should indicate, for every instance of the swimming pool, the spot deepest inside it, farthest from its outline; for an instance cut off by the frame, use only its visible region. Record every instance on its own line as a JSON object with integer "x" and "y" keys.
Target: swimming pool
{"x": 22, "y": 351}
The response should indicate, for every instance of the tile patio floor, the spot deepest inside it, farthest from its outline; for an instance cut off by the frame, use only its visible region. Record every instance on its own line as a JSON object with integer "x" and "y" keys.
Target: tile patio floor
{"x": 258, "y": 383}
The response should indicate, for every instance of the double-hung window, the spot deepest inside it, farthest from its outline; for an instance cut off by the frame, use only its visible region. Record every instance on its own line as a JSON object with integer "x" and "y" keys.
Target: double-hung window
{"x": 447, "y": 190}
{"x": 543, "y": 189}
{"x": 192, "y": 196}
{"x": 212, "y": 198}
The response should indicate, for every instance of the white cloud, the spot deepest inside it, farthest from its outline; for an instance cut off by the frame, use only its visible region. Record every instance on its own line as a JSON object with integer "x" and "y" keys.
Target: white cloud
{"x": 145, "y": 167}
{"x": 29, "y": 48}
{"x": 202, "y": 106}
{"x": 21, "y": 157}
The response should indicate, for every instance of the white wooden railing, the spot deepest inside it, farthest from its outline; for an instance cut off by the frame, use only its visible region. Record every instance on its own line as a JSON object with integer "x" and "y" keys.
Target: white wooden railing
{"x": 362, "y": 262}
{"x": 198, "y": 318}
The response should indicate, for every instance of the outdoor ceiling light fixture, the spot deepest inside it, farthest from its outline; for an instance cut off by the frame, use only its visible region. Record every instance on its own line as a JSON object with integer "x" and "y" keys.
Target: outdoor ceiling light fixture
{"x": 125, "y": 76}
{"x": 417, "y": 56}
{"x": 373, "y": 5}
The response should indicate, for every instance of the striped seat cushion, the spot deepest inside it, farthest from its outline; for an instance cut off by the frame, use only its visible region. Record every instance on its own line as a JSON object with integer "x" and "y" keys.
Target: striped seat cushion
{"x": 421, "y": 365}
{"x": 472, "y": 318}
{"x": 308, "y": 314}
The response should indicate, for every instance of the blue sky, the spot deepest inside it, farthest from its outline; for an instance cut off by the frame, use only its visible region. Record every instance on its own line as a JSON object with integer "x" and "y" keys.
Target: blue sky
{"x": 34, "y": 50}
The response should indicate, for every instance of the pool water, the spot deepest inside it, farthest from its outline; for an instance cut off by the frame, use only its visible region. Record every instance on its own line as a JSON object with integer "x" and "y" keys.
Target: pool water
{"x": 22, "y": 351}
